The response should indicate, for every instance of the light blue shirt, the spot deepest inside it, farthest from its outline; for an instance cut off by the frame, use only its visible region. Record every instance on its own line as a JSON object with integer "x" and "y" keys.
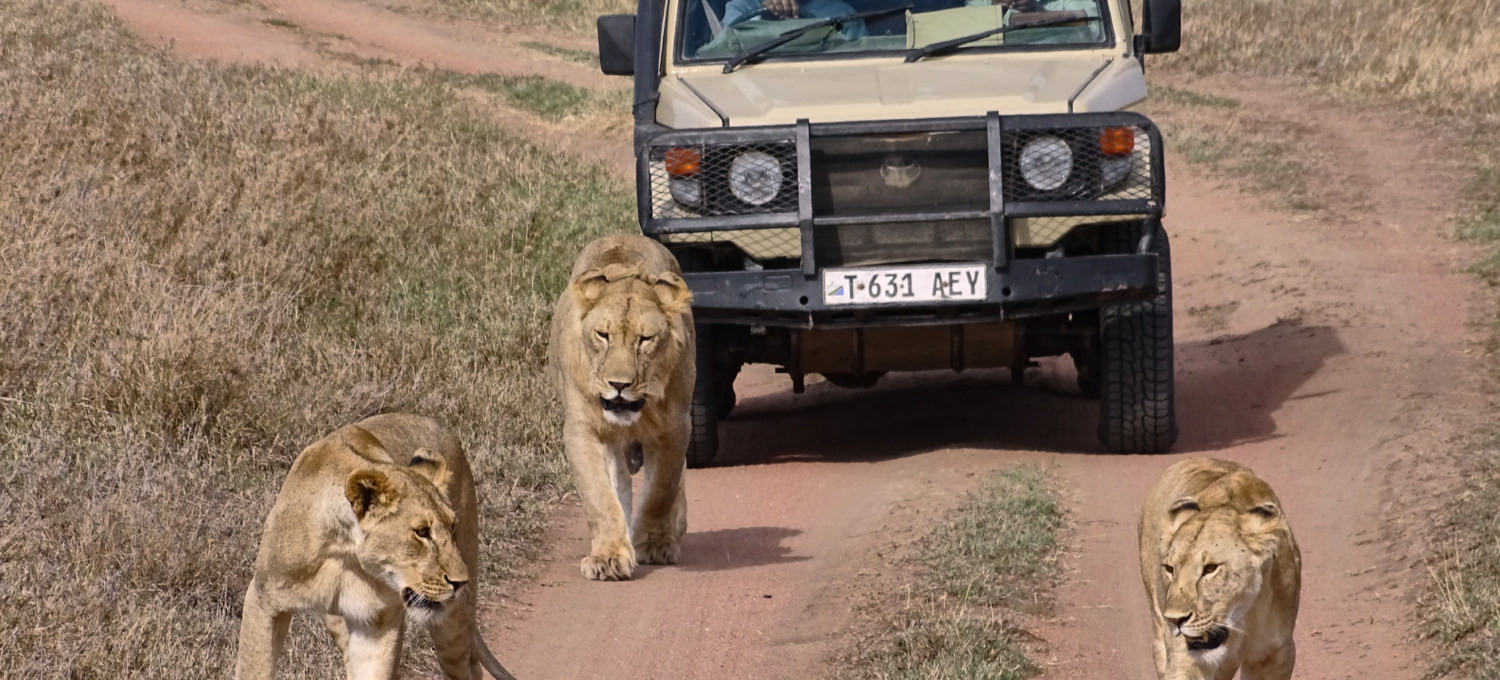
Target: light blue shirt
{"x": 807, "y": 9}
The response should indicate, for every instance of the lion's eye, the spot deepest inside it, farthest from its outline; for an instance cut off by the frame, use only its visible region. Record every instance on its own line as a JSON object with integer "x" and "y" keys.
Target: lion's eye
{"x": 424, "y": 532}
{"x": 647, "y": 338}
{"x": 1168, "y": 569}
{"x": 1209, "y": 569}
{"x": 603, "y": 337}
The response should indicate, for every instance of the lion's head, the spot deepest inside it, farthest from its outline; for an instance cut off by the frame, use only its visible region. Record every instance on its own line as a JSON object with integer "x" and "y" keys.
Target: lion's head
{"x": 1213, "y": 569}
{"x": 633, "y": 335}
{"x": 408, "y": 529}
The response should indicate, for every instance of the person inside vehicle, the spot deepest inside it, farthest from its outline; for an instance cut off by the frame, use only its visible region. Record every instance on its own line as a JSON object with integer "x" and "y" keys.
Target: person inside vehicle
{"x": 736, "y": 11}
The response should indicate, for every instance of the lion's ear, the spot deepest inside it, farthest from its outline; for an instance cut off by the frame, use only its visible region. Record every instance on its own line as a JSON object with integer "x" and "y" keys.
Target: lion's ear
{"x": 432, "y": 465}
{"x": 673, "y": 293}
{"x": 369, "y": 490}
{"x": 587, "y": 288}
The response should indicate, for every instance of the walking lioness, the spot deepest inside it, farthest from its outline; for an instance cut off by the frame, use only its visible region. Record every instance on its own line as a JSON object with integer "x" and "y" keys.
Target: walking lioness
{"x": 622, "y": 355}
{"x": 376, "y": 522}
{"x": 1222, "y": 573}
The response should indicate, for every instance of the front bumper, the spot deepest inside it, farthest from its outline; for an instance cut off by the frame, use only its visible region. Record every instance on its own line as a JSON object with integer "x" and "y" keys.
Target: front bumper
{"x": 1024, "y": 288}
{"x": 1018, "y": 287}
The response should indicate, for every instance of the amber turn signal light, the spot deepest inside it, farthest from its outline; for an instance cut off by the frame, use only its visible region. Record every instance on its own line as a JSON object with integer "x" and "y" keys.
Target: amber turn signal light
{"x": 683, "y": 161}
{"x": 1116, "y": 141}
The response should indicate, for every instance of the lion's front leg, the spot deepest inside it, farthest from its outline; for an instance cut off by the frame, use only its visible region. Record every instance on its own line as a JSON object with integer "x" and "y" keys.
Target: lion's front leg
{"x": 1277, "y": 665}
{"x": 611, "y": 556}
{"x": 262, "y": 634}
{"x": 375, "y": 647}
{"x": 662, "y": 519}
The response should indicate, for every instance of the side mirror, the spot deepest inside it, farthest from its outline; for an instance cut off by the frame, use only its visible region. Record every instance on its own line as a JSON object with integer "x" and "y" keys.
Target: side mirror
{"x": 1161, "y": 24}
{"x": 617, "y": 44}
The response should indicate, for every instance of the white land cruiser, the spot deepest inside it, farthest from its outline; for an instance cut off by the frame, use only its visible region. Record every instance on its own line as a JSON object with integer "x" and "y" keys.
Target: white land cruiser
{"x": 862, "y": 186}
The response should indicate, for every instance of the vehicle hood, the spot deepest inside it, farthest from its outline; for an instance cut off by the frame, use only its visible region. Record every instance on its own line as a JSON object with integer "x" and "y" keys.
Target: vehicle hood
{"x": 771, "y": 94}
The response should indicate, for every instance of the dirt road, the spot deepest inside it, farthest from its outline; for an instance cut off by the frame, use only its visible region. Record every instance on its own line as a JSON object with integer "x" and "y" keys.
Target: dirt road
{"x": 1328, "y": 350}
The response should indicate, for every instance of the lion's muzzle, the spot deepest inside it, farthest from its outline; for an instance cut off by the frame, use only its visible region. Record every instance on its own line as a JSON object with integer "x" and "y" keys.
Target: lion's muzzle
{"x": 621, "y": 405}
{"x": 416, "y": 600}
{"x": 1212, "y": 638}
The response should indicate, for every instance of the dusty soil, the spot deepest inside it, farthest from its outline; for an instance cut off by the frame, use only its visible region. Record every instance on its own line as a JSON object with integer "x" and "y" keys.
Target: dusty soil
{"x": 1328, "y": 350}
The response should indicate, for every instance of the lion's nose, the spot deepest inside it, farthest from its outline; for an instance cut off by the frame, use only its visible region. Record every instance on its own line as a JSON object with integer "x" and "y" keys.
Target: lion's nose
{"x": 619, "y": 386}
{"x": 1176, "y": 620}
{"x": 456, "y": 584}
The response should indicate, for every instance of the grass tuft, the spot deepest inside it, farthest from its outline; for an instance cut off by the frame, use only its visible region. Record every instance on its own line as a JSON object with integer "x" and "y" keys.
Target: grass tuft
{"x": 580, "y": 57}
{"x": 980, "y": 572}
{"x": 1462, "y": 609}
{"x": 207, "y": 268}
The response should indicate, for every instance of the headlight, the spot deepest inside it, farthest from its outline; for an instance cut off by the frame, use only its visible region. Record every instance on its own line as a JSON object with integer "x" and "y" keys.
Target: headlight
{"x": 1046, "y": 163}
{"x": 686, "y": 191}
{"x": 755, "y": 177}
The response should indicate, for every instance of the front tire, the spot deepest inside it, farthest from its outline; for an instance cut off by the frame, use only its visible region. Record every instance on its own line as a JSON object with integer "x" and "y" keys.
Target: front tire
{"x": 703, "y": 444}
{"x": 1137, "y": 400}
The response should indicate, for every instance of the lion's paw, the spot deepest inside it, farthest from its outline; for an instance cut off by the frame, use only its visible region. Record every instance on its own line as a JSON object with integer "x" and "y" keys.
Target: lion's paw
{"x": 616, "y": 567}
{"x": 657, "y": 551}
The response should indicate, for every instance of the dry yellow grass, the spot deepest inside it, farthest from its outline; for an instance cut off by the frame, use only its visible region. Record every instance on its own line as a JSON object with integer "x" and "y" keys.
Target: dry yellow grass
{"x": 204, "y": 269}
{"x": 1442, "y": 56}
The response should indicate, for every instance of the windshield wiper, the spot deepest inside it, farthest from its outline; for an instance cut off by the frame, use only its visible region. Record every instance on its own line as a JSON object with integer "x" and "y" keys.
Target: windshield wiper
{"x": 791, "y": 35}
{"x": 1054, "y": 19}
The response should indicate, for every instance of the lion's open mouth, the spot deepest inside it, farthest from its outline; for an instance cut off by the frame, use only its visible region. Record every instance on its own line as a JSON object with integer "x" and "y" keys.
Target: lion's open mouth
{"x": 621, "y": 404}
{"x": 1211, "y": 639}
{"x": 416, "y": 600}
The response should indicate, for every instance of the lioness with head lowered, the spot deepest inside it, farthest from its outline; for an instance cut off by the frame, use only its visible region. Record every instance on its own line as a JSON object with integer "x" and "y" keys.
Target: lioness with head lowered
{"x": 1222, "y": 572}
{"x": 376, "y": 522}
{"x": 622, "y": 355}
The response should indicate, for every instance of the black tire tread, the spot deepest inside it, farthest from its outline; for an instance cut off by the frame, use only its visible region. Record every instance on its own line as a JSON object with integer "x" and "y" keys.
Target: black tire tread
{"x": 703, "y": 442}
{"x": 1137, "y": 404}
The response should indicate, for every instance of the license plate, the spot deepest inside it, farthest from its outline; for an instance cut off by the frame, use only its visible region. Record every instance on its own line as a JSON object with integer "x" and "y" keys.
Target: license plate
{"x": 897, "y": 285}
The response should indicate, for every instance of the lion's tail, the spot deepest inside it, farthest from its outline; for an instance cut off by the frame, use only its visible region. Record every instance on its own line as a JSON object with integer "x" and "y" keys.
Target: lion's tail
{"x": 487, "y": 659}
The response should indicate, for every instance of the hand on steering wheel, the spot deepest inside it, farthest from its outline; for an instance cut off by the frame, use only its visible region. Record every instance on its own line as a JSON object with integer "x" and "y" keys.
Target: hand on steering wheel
{"x": 780, "y": 9}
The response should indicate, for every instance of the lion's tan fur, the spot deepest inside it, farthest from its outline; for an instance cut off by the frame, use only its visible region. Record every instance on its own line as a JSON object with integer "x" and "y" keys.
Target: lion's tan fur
{"x": 343, "y": 541}
{"x": 625, "y": 319}
{"x": 1217, "y": 553}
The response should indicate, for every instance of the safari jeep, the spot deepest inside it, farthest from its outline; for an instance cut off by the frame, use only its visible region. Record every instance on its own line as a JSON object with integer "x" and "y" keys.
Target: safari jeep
{"x": 855, "y": 187}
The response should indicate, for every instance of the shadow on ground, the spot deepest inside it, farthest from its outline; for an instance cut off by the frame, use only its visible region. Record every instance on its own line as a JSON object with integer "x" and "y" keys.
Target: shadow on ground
{"x": 1228, "y": 389}
{"x": 726, "y": 549}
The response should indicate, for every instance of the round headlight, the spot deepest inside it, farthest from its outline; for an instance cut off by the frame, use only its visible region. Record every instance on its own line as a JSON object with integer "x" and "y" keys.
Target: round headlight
{"x": 755, "y": 177}
{"x": 1046, "y": 163}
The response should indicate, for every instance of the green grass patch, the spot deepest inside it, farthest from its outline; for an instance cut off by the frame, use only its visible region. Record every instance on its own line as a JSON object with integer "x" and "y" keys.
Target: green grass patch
{"x": 540, "y": 96}
{"x": 979, "y": 572}
{"x": 1180, "y": 97}
{"x": 580, "y": 57}
{"x": 1263, "y": 153}
{"x": 282, "y": 23}
{"x": 207, "y": 268}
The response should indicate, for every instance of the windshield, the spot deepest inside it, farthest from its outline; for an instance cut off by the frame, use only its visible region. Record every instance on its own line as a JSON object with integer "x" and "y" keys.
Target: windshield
{"x": 711, "y": 30}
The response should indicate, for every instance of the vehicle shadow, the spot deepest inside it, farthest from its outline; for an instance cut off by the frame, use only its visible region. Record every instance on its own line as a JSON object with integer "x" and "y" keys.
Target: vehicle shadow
{"x": 726, "y": 549}
{"x": 1228, "y": 389}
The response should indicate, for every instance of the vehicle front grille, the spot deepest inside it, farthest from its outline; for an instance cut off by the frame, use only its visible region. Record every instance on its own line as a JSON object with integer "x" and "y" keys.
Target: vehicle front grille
{"x": 921, "y": 172}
